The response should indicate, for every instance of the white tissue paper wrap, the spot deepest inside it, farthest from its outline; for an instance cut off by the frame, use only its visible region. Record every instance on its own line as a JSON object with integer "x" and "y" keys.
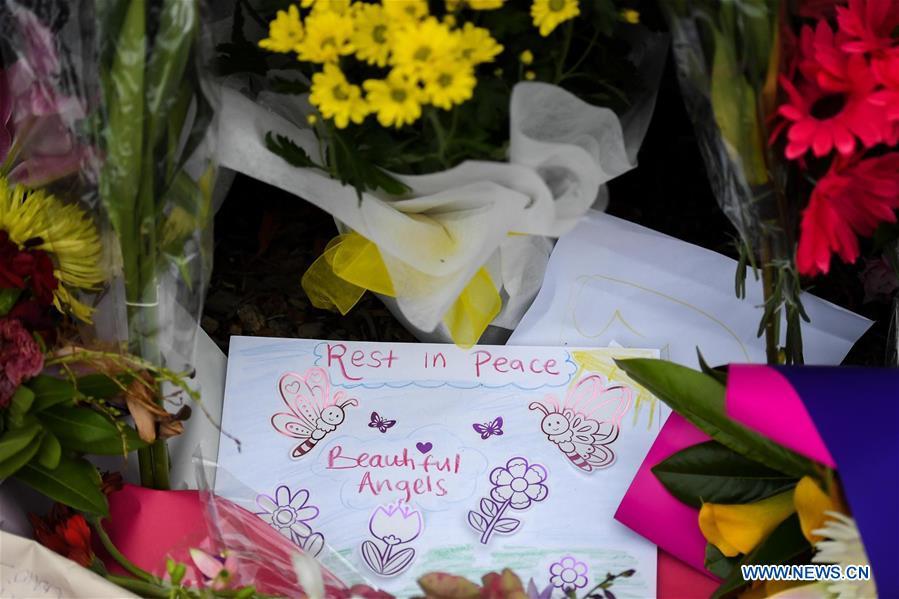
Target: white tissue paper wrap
{"x": 452, "y": 223}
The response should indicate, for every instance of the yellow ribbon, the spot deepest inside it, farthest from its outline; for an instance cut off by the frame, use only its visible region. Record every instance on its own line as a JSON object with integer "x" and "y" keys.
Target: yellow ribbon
{"x": 351, "y": 264}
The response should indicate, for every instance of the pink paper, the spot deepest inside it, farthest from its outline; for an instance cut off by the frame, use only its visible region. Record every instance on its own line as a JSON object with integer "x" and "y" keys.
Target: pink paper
{"x": 678, "y": 580}
{"x": 762, "y": 399}
{"x": 650, "y": 510}
{"x": 149, "y": 526}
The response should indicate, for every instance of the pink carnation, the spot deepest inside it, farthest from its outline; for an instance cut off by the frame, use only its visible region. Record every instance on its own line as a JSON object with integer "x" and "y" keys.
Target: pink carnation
{"x": 20, "y": 358}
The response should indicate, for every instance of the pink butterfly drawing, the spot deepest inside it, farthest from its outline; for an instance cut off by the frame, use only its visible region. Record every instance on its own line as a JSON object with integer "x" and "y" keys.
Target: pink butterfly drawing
{"x": 487, "y": 430}
{"x": 379, "y": 423}
{"x": 586, "y": 424}
{"x": 312, "y": 411}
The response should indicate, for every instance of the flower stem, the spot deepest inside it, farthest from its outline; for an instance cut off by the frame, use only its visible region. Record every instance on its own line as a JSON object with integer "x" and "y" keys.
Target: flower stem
{"x": 489, "y": 530}
{"x": 441, "y": 135}
{"x": 142, "y": 588}
{"x": 566, "y": 45}
{"x": 118, "y": 555}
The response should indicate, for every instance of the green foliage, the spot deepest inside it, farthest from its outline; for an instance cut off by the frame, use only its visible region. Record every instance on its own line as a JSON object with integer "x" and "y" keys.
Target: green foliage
{"x": 717, "y": 563}
{"x": 288, "y": 150}
{"x": 710, "y": 472}
{"x": 74, "y": 482}
{"x": 87, "y": 431}
{"x": 700, "y": 399}
{"x": 785, "y": 545}
{"x": 8, "y": 299}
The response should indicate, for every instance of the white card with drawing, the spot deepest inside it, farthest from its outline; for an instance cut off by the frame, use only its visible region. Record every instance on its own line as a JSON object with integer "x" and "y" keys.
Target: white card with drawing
{"x": 412, "y": 458}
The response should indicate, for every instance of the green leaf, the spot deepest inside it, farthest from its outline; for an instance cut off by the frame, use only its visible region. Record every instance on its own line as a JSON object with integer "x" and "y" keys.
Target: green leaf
{"x": 8, "y": 299}
{"x": 50, "y": 451}
{"x": 100, "y": 386}
{"x": 711, "y": 473}
{"x": 700, "y": 399}
{"x": 21, "y": 402}
{"x": 49, "y": 391}
{"x": 16, "y": 440}
{"x": 719, "y": 373}
{"x": 289, "y": 151}
{"x": 87, "y": 431}
{"x": 18, "y": 460}
{"x": 74, "y": 482}
{"x": 717, "y": 563}
{"x": 785, "y": 545}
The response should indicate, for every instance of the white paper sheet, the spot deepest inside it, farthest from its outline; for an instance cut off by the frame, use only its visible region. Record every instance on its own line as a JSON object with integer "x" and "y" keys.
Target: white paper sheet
{"x": 610, "y": 280}
{"x": 421, "y": 427}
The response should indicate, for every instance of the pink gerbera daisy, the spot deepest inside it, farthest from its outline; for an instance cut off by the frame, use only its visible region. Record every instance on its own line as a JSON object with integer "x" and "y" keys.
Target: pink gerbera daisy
{"x": 851, "y": 200}
{"x": 831, "y": 107}
{"x": 868, "y": 25}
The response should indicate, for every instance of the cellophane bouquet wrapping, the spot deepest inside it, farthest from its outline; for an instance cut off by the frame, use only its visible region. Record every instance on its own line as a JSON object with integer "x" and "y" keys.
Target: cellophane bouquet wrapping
{"x": 451, "y": 141}
{"x": 106, "y": 102}
{"x": 795, "y": 109}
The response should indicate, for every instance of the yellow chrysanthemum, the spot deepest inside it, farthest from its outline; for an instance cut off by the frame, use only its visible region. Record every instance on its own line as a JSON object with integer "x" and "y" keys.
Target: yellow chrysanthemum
{"x": 629, "y": 15}
{"x": 371, "y": 36}
{"x": 338, "y": 6}
{"x": 549, "y": 14}
{"x": 526, "y": 57}
{"x": 406, "y": 10}
{"x": 65, "y": 232}
{"x": 328, "y": 36}
{"x": 452, "y": 5}
{"x": 285, "y": 32}
{"x": 336, "y": 98}
{"x": 396, "y": 100}
{"x": 485, "y": 4}
{"x": 449, "y": 83}
{"x": 476, "y": 45}
{"x": 419, "y": 46}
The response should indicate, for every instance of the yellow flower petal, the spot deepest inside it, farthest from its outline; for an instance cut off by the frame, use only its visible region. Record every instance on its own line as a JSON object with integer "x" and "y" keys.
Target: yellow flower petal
{"x": 811, "y": 504}
{"x": 740, "y": 528}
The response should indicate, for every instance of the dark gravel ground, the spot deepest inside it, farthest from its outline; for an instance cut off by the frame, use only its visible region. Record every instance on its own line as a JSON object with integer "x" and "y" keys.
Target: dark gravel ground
{"x": 266, "y": 238}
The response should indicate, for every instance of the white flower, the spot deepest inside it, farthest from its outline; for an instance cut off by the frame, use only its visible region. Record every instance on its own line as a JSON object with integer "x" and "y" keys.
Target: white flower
{"x": 309, "y": 575}
{"x": 519, "y": 483}
{"x": 568, "y": 573}
{"x": 288, "y": 512}
{"x": 395, "y": 523}
{"x": 842, "y": 545}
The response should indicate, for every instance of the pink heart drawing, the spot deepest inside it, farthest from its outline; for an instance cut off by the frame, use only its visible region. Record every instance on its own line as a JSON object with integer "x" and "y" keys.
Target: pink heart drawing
{"x": 424, "y": 447}
{"x": 293, "y": 387}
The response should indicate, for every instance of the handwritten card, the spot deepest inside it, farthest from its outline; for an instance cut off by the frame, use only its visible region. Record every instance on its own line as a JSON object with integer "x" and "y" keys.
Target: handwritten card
{"x": 410, "y": 458}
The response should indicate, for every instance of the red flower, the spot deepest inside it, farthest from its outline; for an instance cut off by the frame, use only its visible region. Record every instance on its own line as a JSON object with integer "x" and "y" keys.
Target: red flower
{"x": 868, "y": 25}
{"x": 831, "y": 108}
{"x": 850, "y": 200}
{"x": 20, "y": 358}
{"x": 66, "y": 533}
{"x": 887, "y": 72}
{"x": 817, "y": 9}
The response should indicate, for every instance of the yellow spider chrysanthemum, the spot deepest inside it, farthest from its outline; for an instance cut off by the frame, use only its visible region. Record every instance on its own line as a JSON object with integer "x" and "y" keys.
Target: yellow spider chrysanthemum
{"x": 449, "y": 83}
{"x": 406, "y": 10}
{"x": 328, "y": 37}
{"x": 285, "y": 32}
{"x": 418, "y": 46}
{"x": 336, "y": 98}
{"x": 485, "y": 4}
{"x": 548, "y": 14}
{"x": 396, "y": 100}
{"x": 371, "y": 36}
{"x": 338, "y": 6}
{"x": 476, "y": 45}
{"x": 65, "y": 232}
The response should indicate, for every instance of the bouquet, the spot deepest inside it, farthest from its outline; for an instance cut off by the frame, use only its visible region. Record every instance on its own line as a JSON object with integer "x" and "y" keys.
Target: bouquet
{"x": 775, "y": 474}
{"x": 795, "y": 107}
{"x": 448, "y": 139}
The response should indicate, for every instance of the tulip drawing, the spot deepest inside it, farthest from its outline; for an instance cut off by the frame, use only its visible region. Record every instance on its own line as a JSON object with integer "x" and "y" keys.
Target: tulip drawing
{"x": 394, "y": 524}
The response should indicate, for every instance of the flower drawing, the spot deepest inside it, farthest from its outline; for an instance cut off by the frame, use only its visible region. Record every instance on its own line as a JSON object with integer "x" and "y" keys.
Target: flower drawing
{"x": 290, "y": 513}
{"x": 568, "y": 574}
{"x": 516, "y": 485}
{"x": 519, "y": 483}
{"x": 394, "y": 524}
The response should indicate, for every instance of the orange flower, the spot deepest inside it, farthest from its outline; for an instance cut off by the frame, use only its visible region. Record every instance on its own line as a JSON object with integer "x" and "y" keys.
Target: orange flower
{"x": 66, "y": 533}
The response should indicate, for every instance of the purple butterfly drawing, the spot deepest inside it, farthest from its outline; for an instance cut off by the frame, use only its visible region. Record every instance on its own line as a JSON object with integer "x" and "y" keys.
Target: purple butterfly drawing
{"x": 487, "y": 430}
{"x": 379, "y": 423}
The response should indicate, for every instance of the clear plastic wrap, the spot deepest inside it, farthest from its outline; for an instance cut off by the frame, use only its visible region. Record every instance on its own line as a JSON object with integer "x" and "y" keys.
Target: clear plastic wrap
{"x": 105, "y": 103}
{"x": 728, "y": 57}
